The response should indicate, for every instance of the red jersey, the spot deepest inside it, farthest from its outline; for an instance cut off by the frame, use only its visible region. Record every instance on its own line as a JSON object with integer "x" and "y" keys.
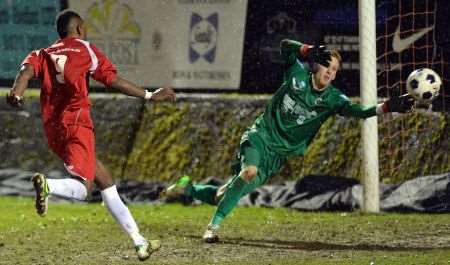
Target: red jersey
{"x": 63, "y": 69}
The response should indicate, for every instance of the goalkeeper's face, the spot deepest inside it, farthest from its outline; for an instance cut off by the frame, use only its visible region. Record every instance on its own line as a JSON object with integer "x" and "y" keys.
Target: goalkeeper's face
{"x": 324, "y": 75}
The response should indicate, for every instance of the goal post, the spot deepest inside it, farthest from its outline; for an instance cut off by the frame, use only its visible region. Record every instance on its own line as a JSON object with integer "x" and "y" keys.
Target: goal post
{"x": 368, "y": 86}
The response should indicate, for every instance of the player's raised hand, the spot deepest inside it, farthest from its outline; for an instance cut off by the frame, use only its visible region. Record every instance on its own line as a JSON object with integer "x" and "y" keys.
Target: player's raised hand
{"x": 14, "y": 100}
{"x": 164, "y": 94}
{"x": 401, "y": 104}
{"x": 320, "y": 54}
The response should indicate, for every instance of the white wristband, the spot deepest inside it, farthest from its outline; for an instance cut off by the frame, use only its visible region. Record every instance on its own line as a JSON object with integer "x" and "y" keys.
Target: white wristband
{"x": 148, "y": 95}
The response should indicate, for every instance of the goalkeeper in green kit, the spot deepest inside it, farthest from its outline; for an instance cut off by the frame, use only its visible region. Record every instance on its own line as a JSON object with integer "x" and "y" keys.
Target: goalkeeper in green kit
{"x": 291, "y": 119}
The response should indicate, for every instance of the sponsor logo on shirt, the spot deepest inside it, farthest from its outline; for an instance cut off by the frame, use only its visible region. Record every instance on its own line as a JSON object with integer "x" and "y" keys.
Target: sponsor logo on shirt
{"x": 59, "y": 44}
{"x": 290, "y": 106}
{"x": 318, "y": 101}
{"x": 298, "y": 86}
{"x": 65, "y": 50}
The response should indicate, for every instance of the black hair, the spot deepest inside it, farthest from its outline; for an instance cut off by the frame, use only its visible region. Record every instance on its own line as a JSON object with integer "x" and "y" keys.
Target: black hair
{"x": 63, "y": 20}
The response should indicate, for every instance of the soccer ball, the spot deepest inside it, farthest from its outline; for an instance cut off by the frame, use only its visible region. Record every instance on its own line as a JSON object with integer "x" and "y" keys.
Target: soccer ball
{"x": 423, "y": 84}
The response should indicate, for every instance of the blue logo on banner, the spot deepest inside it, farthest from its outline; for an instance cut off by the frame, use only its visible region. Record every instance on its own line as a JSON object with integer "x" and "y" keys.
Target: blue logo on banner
{"x": 203, "y": 37}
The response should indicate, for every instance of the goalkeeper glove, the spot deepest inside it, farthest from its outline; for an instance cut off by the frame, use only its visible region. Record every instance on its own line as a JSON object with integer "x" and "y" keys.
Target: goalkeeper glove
{"x": 320, "y": 54}
{"x": 14, "y": 100}
{"x": 396, "y": 103}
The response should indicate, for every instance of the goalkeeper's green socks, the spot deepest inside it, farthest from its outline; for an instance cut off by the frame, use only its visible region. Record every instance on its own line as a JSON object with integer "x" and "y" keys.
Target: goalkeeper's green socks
{"x": 230, "y": 199}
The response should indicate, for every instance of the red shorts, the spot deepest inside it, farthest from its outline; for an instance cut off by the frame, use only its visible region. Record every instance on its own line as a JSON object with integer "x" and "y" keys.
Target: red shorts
{"x": 75, "y": 145}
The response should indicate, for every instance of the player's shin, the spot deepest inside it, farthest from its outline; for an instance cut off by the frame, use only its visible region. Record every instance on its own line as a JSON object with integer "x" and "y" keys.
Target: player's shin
{"x": 229, "y": 200}
{"x": 121, "y": 214}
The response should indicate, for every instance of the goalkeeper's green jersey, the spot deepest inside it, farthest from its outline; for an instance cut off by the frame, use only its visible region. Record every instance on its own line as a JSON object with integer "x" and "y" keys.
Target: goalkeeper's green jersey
{"x": 295, "y": 113}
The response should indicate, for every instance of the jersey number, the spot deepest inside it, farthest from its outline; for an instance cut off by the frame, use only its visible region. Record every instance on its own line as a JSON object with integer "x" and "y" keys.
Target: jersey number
{"x": 59, "y": 61}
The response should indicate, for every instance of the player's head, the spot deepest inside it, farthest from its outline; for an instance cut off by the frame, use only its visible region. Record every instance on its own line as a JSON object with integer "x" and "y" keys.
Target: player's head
{"x": 323, "y": 75}
{"x": 70, "y": 24}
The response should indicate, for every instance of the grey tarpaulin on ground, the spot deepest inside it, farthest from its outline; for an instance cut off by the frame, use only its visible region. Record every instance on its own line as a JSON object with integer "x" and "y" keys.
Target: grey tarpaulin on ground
{"x": 325, "y": 193}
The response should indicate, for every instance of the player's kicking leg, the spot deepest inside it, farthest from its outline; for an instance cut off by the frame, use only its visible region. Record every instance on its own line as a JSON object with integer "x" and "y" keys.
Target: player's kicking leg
{"x": 226, "y": 196}
{"x": 206, "y": 193}
{"x": 185, "y": 187}
{"x": 68, "y": 188}
{"x": 233, "y": 192}
{"x": 121, "y": 213}
{"x": 182, "y": 187}
{"x": 249, "y": 176}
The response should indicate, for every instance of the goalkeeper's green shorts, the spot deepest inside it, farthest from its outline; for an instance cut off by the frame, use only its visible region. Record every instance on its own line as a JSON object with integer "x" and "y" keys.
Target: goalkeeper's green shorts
{"x": 253, "y": 152}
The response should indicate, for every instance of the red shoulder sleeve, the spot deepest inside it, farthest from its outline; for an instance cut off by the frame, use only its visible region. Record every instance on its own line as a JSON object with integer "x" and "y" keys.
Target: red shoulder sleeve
{"x": 34, "y": 59}
{"x": 105, "y": 72}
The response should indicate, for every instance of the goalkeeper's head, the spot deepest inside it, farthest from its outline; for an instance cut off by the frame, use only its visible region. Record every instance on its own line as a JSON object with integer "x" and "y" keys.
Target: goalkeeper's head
{"x": 70, "y": 24}
{"x": 323, "y": 75}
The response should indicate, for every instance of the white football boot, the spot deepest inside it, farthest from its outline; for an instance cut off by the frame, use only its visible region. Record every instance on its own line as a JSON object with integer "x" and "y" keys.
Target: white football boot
{"x": 41, "y": 187}
{"x": 211, "y": 234}
{"x": 144, "y": 251}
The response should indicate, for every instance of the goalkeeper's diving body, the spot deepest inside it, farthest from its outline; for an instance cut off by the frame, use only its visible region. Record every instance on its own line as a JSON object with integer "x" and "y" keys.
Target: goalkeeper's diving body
{"x": 291, "y": 119}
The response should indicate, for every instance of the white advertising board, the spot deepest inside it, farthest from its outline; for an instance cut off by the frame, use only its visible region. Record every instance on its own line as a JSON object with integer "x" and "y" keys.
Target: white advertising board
{"x": 181, "y": 43}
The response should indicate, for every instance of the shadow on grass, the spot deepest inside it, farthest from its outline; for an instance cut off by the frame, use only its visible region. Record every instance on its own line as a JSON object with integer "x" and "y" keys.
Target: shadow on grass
{"x": 316, "y": 246}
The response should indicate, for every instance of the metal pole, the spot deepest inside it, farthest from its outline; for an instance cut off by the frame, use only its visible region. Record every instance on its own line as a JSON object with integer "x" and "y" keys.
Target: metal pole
{"x": 368, "y": 82}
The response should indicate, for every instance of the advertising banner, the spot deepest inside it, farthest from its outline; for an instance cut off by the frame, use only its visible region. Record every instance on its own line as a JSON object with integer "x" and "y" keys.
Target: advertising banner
{"x": 182, "y": 43}
{"x": 332, "y": 23}
{"x": 24, "y": 26}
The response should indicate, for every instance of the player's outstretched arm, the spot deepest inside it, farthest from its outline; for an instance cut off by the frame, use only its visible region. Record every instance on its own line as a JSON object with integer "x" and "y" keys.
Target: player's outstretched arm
{"x": 15, "y": 96}
{"x": 131, "y": 89}
{"x": 289, "y": 47}
{"x": 396, "y": 103}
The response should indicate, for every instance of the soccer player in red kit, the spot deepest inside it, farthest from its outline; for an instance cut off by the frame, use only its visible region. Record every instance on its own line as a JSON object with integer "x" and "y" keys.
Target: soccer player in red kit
{"x": 63, "y": 69}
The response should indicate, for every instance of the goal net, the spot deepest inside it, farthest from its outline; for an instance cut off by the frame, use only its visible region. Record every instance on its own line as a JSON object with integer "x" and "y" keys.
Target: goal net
{"x": 412, "y": 38}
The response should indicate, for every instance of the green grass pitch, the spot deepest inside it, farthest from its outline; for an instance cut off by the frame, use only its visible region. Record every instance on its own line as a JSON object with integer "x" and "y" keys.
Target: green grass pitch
{"x": 87, "y": 234}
